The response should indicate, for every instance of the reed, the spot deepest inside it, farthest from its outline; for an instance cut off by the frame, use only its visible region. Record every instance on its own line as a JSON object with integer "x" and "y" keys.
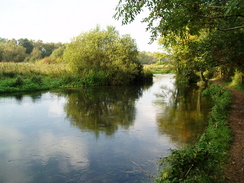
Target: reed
{"x": 18, "y": 77}
{"x": 10, "y": 69}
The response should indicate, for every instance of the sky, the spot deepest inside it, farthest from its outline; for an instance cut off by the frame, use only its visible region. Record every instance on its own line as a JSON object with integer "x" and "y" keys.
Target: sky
{"x": 61, "y": 20}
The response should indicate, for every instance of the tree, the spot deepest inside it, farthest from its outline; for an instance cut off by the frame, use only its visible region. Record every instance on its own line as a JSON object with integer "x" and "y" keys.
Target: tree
{"x": 3, "y": 40}
{"x": 176, "y": 16}
{"x": 1, "y": 50}
{"x": 35, "y": 54}
{"x": 216, "y": 25}
{"x": 146, "y": 57}
{"x": 57, "y": 54}
{"x": 162, "y": 57}
{"x": 104, "y": 53}
{"x": 13, "y": 52}
{"x": 27, "y": 44}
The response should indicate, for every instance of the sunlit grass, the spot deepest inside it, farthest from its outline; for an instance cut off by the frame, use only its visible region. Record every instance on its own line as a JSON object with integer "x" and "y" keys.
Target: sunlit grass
{"x": 159, "y": 69}
{"x": 10, "y": 69}
{"x": 18, "y": 77}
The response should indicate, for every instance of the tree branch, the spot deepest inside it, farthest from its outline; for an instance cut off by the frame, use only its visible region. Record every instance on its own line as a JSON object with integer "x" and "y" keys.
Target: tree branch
{"x": 232, "y": 28}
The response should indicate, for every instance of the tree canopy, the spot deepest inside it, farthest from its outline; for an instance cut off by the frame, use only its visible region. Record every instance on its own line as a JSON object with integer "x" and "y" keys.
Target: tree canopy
{"x": 177, "y": 16}
{"x": 199, "y": 34}
{"x": 25, "y": 50}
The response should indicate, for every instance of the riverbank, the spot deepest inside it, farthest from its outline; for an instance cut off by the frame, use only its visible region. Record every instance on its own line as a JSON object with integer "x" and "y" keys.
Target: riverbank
{"x": 235, "y": 168}
{"x": 206, "y": 160}
{"x": 22, "y": 77}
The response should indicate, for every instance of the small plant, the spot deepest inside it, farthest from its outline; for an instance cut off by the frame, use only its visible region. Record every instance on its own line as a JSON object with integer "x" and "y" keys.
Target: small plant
{"x": 18, "y": 82}
{"x": 36, "y": 79}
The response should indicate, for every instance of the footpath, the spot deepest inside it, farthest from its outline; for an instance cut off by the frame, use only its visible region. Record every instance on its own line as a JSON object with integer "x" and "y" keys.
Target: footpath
{"x": 234, "y": 172}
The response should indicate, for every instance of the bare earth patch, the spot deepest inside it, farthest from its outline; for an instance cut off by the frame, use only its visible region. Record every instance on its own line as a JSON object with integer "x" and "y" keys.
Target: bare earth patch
{"x": 235, "y": 168}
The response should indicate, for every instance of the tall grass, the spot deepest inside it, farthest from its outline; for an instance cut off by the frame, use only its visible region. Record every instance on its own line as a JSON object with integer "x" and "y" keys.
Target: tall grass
{"x": 43, "y": 75}
{"x": 11, "y": 69}
{"x": 205, "y": 161}
{"x": 16, "y": 77}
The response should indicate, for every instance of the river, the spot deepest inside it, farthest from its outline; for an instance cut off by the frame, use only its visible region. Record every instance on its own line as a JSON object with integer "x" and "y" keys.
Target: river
{"x": 97, "y": 134}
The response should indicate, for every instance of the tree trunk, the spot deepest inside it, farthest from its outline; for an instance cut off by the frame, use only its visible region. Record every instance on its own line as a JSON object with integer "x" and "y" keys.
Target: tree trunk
{"x": 202, "y": 76}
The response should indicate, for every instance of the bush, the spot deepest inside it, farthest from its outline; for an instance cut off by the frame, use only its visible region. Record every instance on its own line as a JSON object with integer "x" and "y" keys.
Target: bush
{"x": 100, "y": 54}
{"x": 237, "y": 79}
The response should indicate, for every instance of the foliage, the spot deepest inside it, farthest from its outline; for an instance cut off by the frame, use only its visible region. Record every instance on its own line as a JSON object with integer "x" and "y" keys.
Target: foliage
{"x": 104, "y": 52}
{"x": 12, "y": 52}
{"x": 237, "y": 79}
{"x": 146, "y": 57}
{"x": 204, "y": 161}
{"x": 25, "y": 50}
{"x": 177, "y": 16}
{"x": 36, "y": 54}
{"x": 26, "y": 44}
{"x": 57, "y": 54}
{"x": 30, "y": 77}
{"x": 199, "y": 34}
{"x": 159, "y": 69}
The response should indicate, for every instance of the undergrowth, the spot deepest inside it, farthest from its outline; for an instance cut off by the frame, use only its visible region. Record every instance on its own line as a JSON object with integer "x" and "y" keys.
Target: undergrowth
{"x": 205, "y": 161}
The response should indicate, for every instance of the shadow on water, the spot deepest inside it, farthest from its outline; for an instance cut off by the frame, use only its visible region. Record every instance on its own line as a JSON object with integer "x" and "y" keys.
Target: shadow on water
{"x": 184, "y": 112}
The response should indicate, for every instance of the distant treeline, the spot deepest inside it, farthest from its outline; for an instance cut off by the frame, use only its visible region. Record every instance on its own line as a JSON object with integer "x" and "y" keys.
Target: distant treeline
{"x": 26, "y": 50}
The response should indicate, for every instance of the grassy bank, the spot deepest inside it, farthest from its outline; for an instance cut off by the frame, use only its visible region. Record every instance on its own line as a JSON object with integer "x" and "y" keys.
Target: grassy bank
{"x": 159, "y": 69}
{"x": 205, "y": 161}
{"x": 19, "y": 77}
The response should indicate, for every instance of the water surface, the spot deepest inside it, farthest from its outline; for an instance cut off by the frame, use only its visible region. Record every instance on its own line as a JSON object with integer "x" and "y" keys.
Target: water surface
{"x": 96, "y": 134}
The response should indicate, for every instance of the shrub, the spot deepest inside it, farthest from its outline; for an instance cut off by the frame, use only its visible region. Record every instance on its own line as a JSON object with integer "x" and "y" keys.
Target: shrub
{"x": 100, "y": 54}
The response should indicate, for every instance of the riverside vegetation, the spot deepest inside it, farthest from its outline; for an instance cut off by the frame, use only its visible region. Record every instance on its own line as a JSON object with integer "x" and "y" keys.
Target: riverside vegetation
{"x": 33, "y": 76}
{"x": 97, "y": 57}
{"x": 205, "y": 39}
{"x": 205, "y": 161}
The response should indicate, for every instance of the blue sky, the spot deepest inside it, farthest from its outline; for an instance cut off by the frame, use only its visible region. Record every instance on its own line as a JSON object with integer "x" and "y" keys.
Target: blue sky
{"x": 61, "y": 20}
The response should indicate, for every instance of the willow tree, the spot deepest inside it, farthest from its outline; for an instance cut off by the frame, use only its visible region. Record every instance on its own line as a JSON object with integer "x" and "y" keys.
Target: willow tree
{"x": 104, "y": 54}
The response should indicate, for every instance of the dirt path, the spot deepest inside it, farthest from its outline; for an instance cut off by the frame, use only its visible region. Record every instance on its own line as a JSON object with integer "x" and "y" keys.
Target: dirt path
{"x": 235, "y": 169}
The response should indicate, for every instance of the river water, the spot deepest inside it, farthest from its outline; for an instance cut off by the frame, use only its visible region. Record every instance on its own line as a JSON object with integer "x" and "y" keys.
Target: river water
{"x": 97, "y": 134}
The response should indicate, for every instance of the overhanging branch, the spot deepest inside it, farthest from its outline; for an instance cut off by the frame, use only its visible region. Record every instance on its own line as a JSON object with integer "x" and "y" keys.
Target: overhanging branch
{"x": 232, "y": 28}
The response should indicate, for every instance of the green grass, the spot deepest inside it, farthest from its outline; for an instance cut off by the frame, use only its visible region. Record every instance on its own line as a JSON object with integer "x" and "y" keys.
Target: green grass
{"x": 205, "y": 161}
{"x": 19, "y": 77}
{"x": 159, "y": 69}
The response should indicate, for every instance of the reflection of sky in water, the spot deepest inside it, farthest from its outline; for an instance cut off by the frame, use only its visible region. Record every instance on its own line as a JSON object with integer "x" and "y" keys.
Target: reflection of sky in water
{"x": 34, "y": 133}
{"x": 38, "y": 143}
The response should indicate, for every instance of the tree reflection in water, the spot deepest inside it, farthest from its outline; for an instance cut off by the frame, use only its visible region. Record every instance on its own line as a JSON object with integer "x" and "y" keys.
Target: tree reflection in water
{"x": 102, "y": 109}
{"x": 183, "y": 114}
